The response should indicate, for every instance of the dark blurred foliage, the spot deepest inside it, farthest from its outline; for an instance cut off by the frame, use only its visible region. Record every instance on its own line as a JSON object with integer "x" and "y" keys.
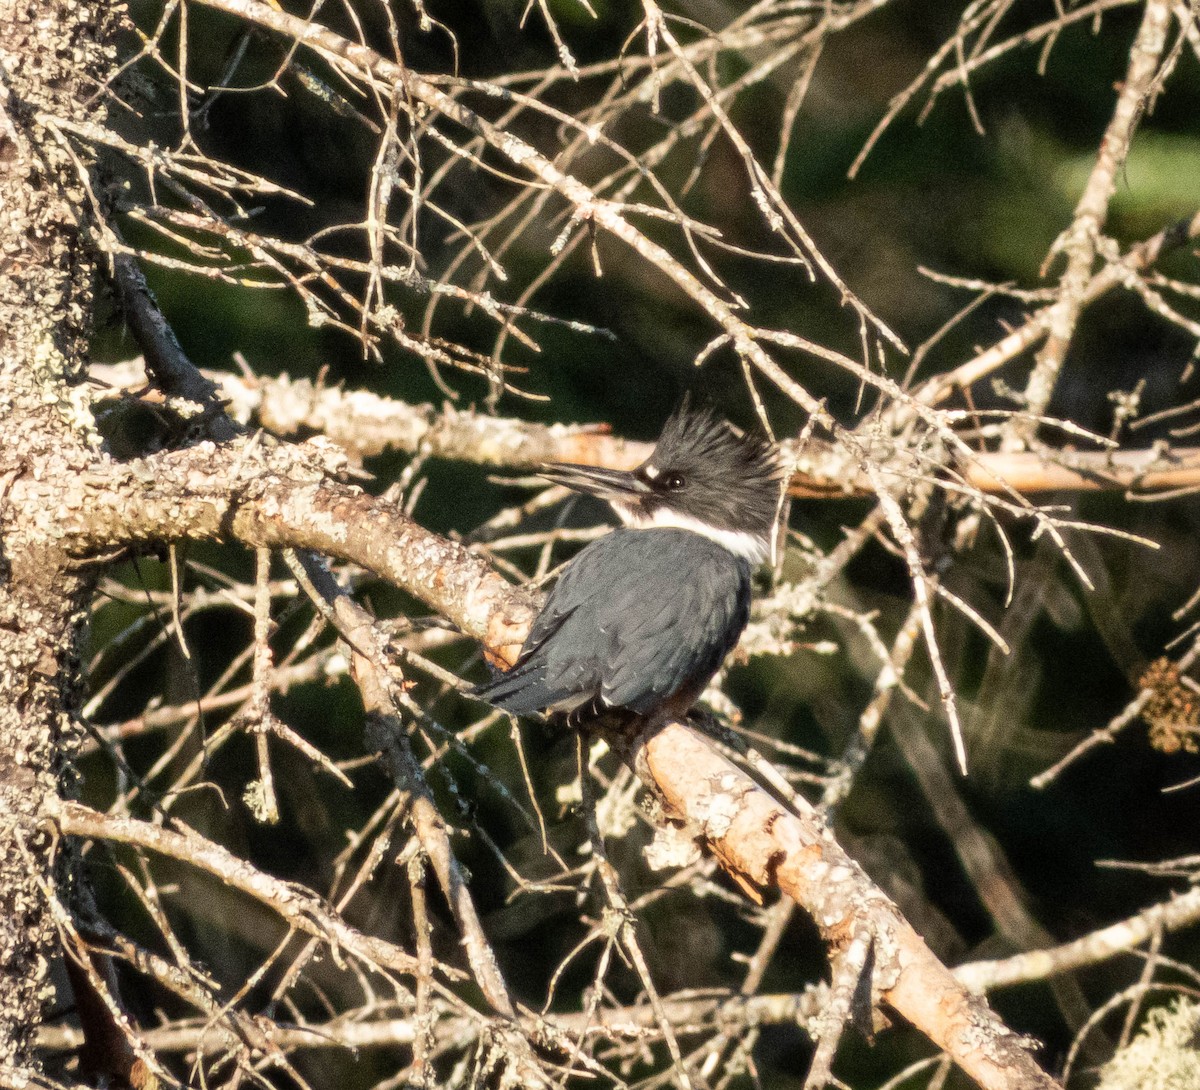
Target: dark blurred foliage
{"x": 936, "y": 194}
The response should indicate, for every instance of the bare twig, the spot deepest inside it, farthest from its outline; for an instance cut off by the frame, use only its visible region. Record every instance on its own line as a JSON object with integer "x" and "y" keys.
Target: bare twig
{"x": 299, "y": 908}
{"x": 1082, "y": 240}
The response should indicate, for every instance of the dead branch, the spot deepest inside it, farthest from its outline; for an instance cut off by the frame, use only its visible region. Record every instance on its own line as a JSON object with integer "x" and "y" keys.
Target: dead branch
{"x": 364, "y": 424}
{"x": 690, "y": 1015}
{"x": 273, "y": 498}
{"x": 299, "y": 908}
{"x": 386, "y": 734}
{"x": 757, "y": 839}
{"x": 1100, "y": 945}
{"x": 1082, "y": 240}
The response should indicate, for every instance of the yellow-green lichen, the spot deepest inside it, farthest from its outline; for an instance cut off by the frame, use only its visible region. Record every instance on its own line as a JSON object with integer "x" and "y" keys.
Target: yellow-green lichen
{"x": 1164, "y": 1054}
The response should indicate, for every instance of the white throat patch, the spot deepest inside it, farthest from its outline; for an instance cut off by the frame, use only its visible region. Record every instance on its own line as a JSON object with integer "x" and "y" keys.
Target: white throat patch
{"x": 749, "y": 547}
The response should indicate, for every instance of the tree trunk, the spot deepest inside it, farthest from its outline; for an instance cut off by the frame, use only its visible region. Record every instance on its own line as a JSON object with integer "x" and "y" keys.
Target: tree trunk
{"x": 52, "y": 59}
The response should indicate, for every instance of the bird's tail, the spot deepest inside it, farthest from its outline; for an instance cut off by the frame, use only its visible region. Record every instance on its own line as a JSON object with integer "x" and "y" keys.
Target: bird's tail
{"x": 521, "y": 690}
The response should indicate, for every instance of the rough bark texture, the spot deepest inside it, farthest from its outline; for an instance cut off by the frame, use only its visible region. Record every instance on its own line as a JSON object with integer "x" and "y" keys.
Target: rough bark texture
{"x": 267, "y": 496}
{"x": 50, "y": 54}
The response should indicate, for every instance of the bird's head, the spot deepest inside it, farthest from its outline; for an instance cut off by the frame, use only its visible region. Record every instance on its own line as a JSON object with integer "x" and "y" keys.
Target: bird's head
{"x": 703, "y": 476}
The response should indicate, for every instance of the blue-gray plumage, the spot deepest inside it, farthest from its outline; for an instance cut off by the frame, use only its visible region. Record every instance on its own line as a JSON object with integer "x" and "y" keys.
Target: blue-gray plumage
{"x": 622, "y": 627}
{"x": 642, "y": 618}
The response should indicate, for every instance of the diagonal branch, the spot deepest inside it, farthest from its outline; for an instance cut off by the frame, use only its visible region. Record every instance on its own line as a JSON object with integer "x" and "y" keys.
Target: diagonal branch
{"x": 301, "y": 909}
{"x": 1081, "y": 241}
{"x": 756, "y": 838}
{"x": 272, "y": 497}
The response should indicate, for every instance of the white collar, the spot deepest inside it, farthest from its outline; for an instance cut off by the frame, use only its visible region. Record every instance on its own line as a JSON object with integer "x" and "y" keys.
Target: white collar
{"x": 750, "y": 547}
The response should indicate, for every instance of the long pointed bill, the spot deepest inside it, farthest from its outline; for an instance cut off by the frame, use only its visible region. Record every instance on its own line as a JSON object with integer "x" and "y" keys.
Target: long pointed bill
{"x": 614, "y": 485}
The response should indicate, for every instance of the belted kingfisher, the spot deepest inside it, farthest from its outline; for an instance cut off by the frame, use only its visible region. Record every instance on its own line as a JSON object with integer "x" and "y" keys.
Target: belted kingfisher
{"x": 640, "y": 620}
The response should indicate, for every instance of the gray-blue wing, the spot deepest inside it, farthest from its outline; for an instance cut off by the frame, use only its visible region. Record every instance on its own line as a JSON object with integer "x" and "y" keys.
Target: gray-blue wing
{"x": 637, "y": 616}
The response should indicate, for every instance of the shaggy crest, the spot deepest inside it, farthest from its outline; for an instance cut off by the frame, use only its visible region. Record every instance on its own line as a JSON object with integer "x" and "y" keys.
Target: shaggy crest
{"x": 699, "y": 456}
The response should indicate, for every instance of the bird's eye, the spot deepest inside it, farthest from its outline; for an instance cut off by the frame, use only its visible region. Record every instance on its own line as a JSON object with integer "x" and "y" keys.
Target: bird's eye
{"x": 673, "y": 481}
